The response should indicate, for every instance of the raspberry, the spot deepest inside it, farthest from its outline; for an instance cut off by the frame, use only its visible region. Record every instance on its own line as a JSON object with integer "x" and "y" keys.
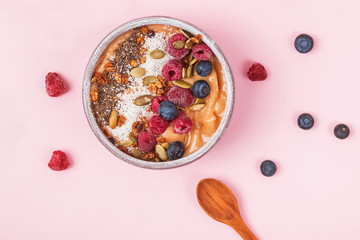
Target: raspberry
{"x": 54, "y": 85}
{"x": 180, "y": 96}
{"x": 177, "y": 53}
{"x": 172, "y": 70}
{"x": 156, "y": 102}
{"x": 147, "y": 141}
{"x": 182, "y": 124}
{"x": 158, "y": 125}
{"x": 201, "y": 52}
{"x": 257, "y": 72}
{"x": 59, "y": 161}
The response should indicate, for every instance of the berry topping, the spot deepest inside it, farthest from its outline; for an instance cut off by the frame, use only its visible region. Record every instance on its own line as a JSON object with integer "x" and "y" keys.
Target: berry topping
{"x": 268, "y": 168}
{"x": 172, "y": 70}
{"x": 168, "y": 110}
{"x": 305, "y": 121}
{"x": 177, "y": 53}
{"x": 201, "y": 52}
{"x": 54, "y": 85}
{"x": 158, "y": 125}
{"x": 204, "y": 68}
{"x": 201, "y": 89}
{"x": 341, "y": 131}
{"x": 175, "y": 150}
{"x": 182, "y": 124}
{"x": 59, "y": 161}
{"x": 257, "y": 72}
{"x": 304, "y": 43}
{"x": 147, "y": 141}
{"x": 180, "y": 96}
{"x": 156, "y": 102}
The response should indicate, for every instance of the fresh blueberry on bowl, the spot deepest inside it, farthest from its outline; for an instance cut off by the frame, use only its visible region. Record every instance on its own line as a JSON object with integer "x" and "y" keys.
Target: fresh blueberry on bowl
{"x": 175, "y": 151}
{"x": 201, "y": 89}
{"x": 168, "y": 110}
{"x": 204, "y": 68}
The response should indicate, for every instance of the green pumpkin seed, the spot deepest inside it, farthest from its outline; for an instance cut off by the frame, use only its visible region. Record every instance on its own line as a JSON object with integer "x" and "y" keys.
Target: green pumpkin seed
{"x": 179, "y": 44}
{"x": 197, "y": 107}
{"x": 149, "y": 79}
{"x": 126, "y": 143}
{"x": 186, "y": 33}
{"x": 131, "y": 137}
{"x": 136, "y": 153}
{"x": 161, "y": 152}
{"x": 194, "y": 70}
{"x": 189, "y": 71}
{"x": 192, "y": 62}
{"x": 165, "y": 145}
{"x": 143, "y": 100}
{"x": 189, "y": 44}
{"x": 200, "y": 101}
{"x": 184, "y": 73}
{"x": 182, "y": 84}
{"x": 190, "y": 56}
{"x": 156, "y": 54}
{"x": 137, "y": 72}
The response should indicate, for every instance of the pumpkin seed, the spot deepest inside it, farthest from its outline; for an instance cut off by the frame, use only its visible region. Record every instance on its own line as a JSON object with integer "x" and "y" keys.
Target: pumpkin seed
{"x": 189, "y": 71}
{"x": 137, "y": 72}
{"x": 113, "y": 119}
{"x": 182, "y": 83}
{"x": 161, "y": 152}
{"x": 156, "y": 54}
{"x": 192, "y": 62}
{"x": 126, "y": 143}
{"x": 143, "y": 100}
{"x": 186, "y": 33}
{"x": 200, "y": 101}
{"x": 197, "y": 107}
{"x": 180, "y": 108}
{"x": 194, "y": 70}
{"x": 131, "y": 137}
{"x": 189, "y": 44}
{"x": 184, "y": 73}
{"x": 157, "y": 159}
{"x": 136, "y": 153}
{"x": 165, "y": 145}
{"x": 190, "y": 56}
{"x": 179, "y": 44}
{"x": 149, "y": 79}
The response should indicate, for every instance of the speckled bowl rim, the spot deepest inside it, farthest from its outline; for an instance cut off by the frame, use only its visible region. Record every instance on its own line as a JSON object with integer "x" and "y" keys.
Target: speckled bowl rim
{"x": 165, "y": 21}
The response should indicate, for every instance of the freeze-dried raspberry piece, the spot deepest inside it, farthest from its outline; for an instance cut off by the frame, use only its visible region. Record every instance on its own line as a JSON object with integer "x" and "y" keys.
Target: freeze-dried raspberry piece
{"x": 172, "y": 70}
{"x": 59, "y": 161}
{"x": 181, "y": 97}
{"x": 257, "y": 72}
{"x": 147, "y": 141}
{"x": 201, "y": 52}
{"x": 156, "y": 102}
{"x": 177, "y": 53}
{"x": 54, "y": 85}
{"x": 158, "y": 125}
{"x": 182, "y": 124}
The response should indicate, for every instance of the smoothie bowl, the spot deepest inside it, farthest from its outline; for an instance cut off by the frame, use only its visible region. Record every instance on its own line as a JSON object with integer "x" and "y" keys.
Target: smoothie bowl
{"x": 158, "y": 92}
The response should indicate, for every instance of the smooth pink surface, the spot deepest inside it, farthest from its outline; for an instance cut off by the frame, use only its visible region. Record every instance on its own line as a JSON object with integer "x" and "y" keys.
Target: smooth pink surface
{"x": 314, "y": 194}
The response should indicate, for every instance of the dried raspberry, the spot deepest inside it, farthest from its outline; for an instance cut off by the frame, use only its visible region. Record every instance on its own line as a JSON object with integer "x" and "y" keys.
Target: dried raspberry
{"x": 156, "y": 102}
{"x": 54, "y": 85}
{"x": 158, "y": 125}
{"x": 177, "y": 53}
{"x": 180, "y": 96}
{"x": 147, "y": 141}
{"x": 172, "y": 70}
{"x": 257, "y": 72}
{"x": 182, "y": 124}
{"x": 59, "y": 161}
{"x": 201, "y": 52}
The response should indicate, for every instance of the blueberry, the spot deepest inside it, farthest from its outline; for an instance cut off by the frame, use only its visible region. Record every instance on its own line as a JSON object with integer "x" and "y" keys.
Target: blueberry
{"x": 204, "y": 68}
{"x": 175, "y": 150}
{"x": 268, "y": 168}
{"x": 341, "y": 131}
{"x": 168, "y": 110}
{"x": 305, "y": 121}
{"x": 304, "y": 43}
{"x": 201, "y": 89}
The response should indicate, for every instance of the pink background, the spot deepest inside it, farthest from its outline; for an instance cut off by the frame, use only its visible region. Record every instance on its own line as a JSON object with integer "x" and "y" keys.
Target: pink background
{"x": 314, "y": 194}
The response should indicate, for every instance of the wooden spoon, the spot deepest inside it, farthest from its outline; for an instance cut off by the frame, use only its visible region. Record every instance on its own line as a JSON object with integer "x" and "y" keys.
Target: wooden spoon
{"x": 219, "y": 202}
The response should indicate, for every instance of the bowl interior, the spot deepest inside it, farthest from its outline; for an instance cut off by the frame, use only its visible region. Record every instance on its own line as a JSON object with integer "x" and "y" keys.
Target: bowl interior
{"x": 92, "y": 64}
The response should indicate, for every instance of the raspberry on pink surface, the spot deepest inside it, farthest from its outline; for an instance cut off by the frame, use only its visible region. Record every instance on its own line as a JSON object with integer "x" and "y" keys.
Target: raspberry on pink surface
{"x": 177, "y": 53}
{"x": 201, "y": 52}
{"x": 59, "y": 161}
{"x": 156, "y": 102}
{"x": 158, "y": 125}
{"x": 147, "y": 141}
{"x": 182, "y": 124}
{"x": 180, "y": 96}
{"x": 172, "y": 70}
{"x": 257, "y": 72}
{"x": 54, "y": 85}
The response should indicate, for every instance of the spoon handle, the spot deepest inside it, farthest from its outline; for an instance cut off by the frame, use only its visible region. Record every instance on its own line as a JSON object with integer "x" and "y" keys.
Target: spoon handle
{"x": 237, "y": 223}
